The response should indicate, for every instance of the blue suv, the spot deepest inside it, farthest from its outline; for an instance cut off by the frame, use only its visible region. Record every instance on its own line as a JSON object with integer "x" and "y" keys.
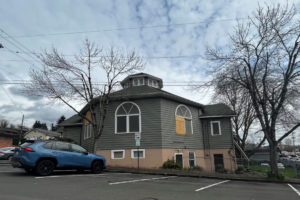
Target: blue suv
{"x": 42, "y": 157}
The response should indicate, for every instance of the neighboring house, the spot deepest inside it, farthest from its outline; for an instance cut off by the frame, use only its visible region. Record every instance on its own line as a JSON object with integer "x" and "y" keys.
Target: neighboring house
{"x": 41, "y": 134}
{"x": 9, "y": 136}
{"x": 171, "y": 127}
{"x": 71, "y": 128}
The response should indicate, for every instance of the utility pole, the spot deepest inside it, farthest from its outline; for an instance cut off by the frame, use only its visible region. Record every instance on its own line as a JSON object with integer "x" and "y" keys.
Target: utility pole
{"x": 293, "y": 138}
{"x": 21, "y": 134}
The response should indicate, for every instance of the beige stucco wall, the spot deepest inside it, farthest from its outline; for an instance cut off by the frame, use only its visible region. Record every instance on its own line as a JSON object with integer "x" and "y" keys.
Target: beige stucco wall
{"x": 154, "y": 158}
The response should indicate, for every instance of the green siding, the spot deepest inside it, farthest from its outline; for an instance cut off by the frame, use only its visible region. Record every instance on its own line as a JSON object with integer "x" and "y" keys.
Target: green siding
{"x": 172, "y": 140}
{"x": 223, "y": 141}
{"x": 150, "y": 129}
{"x": 72, "y": 132}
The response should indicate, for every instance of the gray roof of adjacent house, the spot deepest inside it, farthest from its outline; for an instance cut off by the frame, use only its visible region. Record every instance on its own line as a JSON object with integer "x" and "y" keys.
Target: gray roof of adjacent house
{"x": 72, "y": 121}
{"x": 10, "y": 132}
{"x": 46, "y": 132}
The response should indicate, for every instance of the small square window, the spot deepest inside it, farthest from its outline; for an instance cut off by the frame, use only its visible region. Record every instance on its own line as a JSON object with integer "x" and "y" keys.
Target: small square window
{"x": 117, "y": 154}
{"x": 138, "y": 153}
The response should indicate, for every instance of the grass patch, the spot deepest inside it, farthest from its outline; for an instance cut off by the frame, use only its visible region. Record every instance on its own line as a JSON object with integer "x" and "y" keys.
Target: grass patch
{"x": 287, "y": 172}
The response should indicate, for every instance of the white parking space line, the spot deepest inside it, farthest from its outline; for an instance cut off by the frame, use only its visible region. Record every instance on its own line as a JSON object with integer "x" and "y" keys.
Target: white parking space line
{"x": 295, "y": 190}
{"x": 139, "y": 180}
{"x": 212, "y": 185}
{"x": 77, "y": 175}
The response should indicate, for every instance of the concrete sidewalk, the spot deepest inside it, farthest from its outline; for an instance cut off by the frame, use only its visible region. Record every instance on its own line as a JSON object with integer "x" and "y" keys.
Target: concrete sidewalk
{"x": 249, "y": 176}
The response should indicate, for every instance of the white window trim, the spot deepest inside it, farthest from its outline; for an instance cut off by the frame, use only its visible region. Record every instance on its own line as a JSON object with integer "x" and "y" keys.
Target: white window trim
{"x": 133, "y": 150}
{"x": 127, "y": 119}
{"x": 113, "y": 157}
{"x": 211, "y": 128}
{"x": 185, "y": 117}
{"x": 182, "y": 158}
{"x": 87, "y": 132}
{"x": 195, "y": 163}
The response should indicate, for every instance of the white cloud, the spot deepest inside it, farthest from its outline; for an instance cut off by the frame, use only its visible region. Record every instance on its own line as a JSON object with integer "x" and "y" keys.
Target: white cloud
{"x": 34, "y": 17}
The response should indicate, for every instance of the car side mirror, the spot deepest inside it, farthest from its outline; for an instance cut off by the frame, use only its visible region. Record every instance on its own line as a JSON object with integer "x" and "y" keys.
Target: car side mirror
{"x": 86, "y": 153}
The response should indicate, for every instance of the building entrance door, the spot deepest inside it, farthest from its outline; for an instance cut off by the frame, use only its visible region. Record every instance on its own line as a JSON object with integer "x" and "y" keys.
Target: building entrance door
{"x": 219, "y": 162}
{"x": 179, "y": 159}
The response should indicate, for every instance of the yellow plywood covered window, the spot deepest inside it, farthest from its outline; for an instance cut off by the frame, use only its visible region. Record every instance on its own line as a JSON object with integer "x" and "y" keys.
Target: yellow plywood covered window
{"x": 180, "y": 125}
{"x": 88, "y": 115}
{"x": 183, "y": 120}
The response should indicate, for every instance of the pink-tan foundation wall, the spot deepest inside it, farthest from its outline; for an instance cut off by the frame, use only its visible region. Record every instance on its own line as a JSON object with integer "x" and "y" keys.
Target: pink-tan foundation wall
{"x": 154, "y": 158}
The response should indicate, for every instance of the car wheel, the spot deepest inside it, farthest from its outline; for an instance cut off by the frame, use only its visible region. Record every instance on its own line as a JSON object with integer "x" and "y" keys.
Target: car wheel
{"x": 44, "y": 167}
{"x": 97, "y": 167}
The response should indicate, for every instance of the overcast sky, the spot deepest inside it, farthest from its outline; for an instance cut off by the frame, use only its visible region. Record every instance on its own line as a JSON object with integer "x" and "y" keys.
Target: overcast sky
{"x": 172, "y": 35}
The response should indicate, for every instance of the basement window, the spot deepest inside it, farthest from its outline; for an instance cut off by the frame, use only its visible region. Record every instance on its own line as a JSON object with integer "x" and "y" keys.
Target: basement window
{"x": 117, "y": 154}
{"x": 135, "y": 153}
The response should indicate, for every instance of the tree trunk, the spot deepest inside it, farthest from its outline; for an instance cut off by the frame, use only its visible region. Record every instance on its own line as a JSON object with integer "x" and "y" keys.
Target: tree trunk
{"x": 273, "y": 159}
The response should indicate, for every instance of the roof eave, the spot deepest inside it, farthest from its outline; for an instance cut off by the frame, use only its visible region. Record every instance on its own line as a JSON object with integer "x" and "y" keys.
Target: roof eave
{"x": 216, "y": 116}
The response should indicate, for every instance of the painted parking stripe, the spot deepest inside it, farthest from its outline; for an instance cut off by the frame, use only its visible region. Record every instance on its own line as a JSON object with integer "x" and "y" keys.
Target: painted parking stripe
{"x": 139, "y": 180}
{"x": 212, "y": 185}
{"x": 63, "y": 176}
{"x": 295, "y": 190}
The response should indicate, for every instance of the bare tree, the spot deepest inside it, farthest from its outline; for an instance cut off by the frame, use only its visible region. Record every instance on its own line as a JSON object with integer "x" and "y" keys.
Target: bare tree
{"x": 263, "y": 59}
{"x": 73, "y": 82}
{"x": 4, "y": 123}
{"x": 233, "y": 95}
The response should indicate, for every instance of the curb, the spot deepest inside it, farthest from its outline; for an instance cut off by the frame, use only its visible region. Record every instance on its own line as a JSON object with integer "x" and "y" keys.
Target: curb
{"x": 201, "y": 176}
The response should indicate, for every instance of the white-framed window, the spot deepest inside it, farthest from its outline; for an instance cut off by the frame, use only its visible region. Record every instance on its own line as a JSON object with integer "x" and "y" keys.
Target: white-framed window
{"x": 135, "y": 82}
{"x": 183, "y": 118}
{"x": 117, "y": 154}
{"x": 128, "y": 118}
{"x": 135, "y": 153}
{"x": 215, "y": 127}
{"x": 192, "y": 159}
{"x": 87, "y": 131}
{"x": 141, "y": 81}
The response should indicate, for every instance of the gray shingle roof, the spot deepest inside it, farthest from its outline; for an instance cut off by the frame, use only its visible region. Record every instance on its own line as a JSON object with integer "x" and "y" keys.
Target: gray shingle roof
{"x": 75, "y": 119}
{"x": 144, "y": 92}
{"x": 217, "y": 110}
{"x": 139, "y": 92}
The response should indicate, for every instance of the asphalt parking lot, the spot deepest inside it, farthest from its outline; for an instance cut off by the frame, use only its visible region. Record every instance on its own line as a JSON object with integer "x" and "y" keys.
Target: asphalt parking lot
{"x": 17, "y": 185}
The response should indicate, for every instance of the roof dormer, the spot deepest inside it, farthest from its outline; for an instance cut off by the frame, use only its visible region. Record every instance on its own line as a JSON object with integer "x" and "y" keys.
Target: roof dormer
{"x": 142, "y": 79}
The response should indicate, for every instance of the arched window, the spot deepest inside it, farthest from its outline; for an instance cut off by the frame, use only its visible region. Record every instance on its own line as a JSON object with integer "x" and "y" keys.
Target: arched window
{"x": 183, "y": 120}
{"x": 128, "y": 118}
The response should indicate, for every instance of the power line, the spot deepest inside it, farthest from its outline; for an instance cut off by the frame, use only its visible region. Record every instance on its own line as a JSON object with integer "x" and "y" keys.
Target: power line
{"x": 126, "y": 28}
{"x": 18, "y": 45}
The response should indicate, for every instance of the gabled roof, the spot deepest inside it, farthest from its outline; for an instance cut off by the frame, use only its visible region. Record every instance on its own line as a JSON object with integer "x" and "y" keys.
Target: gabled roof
{"x": 46, "y": 132}
{"x": 74, "y": 120}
